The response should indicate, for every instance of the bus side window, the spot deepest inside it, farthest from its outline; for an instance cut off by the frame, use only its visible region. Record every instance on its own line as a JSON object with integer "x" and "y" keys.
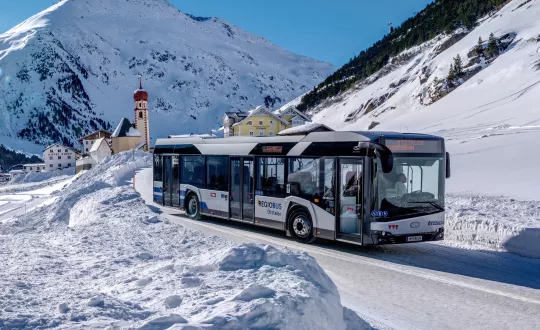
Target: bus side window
{"x": 192, "y": 170}
{"x": 303, "y": 177}
{"x": 271, "y": 176}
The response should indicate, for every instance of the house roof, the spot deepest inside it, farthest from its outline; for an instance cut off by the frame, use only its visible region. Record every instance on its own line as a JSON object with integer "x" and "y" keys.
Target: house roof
{"x": 62, "y": 147}
{"x": 107, "y": 134}
{"x": 237, "y": 116}
{"x": 261, "y": 110}
{"x": 98, "y": 143}
{"x": 40, "y": 164}
{"x": 125, "y": 129}
{"x": 306, "y": 129}
{"x": 293, "y": 111}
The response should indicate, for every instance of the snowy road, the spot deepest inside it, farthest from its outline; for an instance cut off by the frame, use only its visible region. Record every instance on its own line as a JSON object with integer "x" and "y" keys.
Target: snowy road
{"x": 420, "y": 286}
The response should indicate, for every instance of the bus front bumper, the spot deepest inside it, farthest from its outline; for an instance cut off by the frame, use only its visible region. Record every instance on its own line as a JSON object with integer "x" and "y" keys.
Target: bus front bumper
{"x": 381, "y": 237}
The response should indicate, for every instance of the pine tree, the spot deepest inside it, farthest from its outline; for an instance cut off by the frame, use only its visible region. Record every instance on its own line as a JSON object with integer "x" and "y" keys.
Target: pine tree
{"x": 451, "y": 72}
{"x": 479, "y": 47}
{"x": 492, "y": 47}
{"x": 458, "y": 66}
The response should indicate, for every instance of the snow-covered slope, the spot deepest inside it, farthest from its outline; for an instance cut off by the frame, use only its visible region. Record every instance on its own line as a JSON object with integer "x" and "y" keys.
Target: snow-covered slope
{"x": 94, "y": 256}
{"x": 491, "y": 122}
{"x": 73, "y": 68}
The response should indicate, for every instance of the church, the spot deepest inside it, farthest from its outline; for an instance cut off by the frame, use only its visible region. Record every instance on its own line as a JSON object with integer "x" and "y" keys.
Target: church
{"x": 128, "y": 135}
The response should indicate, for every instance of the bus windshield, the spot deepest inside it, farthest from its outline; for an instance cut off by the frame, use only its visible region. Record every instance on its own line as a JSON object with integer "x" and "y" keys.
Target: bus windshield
{"x": 414, "y": 187}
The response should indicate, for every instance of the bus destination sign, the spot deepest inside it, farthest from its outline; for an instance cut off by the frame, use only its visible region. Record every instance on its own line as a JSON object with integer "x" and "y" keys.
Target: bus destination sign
{"x": 272, "y": 149}
{"x": 414, "y": 146}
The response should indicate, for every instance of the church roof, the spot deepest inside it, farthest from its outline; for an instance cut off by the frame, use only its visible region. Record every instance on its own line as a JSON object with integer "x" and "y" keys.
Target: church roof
{"x": 98, "y": 143}
{"x": 140, "y": 94}
{"x": 125, "y": 128}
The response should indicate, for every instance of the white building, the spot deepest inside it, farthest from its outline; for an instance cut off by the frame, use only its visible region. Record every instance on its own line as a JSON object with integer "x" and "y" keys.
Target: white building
{"x": 88, "y": 140}
{"x": 58, "y": 156}
{"x": 34, "y": 168}
{"x": 100, "y": 149}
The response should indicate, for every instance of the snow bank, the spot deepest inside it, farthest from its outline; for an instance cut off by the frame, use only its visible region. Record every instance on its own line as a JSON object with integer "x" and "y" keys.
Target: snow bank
{"x": 99, "y": 257}
{"x": 41, "y": 176}
{"x": 493, "y": 222}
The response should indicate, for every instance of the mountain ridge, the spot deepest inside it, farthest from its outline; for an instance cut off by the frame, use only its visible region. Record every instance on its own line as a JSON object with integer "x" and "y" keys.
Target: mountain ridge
{"x": 66, "y": 74}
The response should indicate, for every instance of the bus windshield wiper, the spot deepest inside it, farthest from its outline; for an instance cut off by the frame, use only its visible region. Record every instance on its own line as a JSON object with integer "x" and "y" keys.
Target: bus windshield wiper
{"x": 434, "y": 204}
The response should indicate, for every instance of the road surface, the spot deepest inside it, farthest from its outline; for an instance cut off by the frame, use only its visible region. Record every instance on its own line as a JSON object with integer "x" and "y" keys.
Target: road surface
{"x": 415, "y": 286}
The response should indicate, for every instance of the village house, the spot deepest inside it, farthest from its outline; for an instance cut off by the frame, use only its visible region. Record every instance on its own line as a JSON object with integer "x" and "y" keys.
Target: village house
{"x": 58, "y": 157}
{"x": 88, "y": 141}
{"x": 262, "y": 121}
{"x": 33, "y": 168}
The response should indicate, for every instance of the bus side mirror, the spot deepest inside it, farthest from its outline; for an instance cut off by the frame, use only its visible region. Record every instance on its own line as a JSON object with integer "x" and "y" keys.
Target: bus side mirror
{"x": 383, "y": 153}
{"x": 448, "y": 171}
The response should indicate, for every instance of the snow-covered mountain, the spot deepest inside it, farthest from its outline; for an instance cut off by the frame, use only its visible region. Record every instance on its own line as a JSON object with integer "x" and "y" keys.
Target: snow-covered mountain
{"x": 490, "y": 119}
{"x": 73, "y": 68}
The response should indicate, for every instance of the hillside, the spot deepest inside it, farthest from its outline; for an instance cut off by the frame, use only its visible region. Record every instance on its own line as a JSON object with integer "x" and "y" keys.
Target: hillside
{"x": 489, "y": 116}
{"x": 439, "y": 17}
{"x": 73, "y": 68}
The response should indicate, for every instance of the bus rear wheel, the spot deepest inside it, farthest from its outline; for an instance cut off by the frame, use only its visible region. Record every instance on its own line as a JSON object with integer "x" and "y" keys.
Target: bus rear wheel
{"x": 193, "y": 209}
{"x": 301, "y": 226}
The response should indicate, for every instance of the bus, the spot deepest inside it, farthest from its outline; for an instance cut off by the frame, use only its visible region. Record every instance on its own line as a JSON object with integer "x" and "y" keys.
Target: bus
{"x": 365, "y": 188}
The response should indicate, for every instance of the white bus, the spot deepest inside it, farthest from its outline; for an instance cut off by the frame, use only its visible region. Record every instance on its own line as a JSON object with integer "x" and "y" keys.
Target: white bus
{"x": 365, "y": 188}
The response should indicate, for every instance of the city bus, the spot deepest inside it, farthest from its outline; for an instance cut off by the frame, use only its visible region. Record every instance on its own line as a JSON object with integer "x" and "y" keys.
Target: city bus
{"x": 365, "y": 188}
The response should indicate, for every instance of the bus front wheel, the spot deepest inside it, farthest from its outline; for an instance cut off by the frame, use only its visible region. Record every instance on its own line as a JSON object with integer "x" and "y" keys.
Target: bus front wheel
{"x": 193, "y": 207}
{"x": 301, "y": 226}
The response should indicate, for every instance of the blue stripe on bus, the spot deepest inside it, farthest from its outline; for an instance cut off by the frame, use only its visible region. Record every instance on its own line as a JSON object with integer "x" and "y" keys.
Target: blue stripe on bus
{"x": 203, "y": 206}
{"x": 157, "y": 189}
{"x": 182, "y": 193}
{"x": 157, "y": 198}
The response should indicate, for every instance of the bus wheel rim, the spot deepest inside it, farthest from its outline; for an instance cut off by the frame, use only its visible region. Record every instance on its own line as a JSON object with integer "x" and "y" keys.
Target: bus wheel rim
{"x": 192, "y": 206}
{"x": 301, "y": 226}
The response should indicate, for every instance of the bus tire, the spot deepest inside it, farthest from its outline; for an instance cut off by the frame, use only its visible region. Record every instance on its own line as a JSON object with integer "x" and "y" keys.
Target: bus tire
{"x": 301, "y": 226}
{"x": 193, "y": 207}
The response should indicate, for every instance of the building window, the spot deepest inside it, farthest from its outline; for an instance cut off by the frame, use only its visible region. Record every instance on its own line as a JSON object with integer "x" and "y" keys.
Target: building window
{"x": 271, "y": 178}
{"x": 249, "y": 123}
{"x": 59, "y": 157}
{"x": 86, "y": 149}
{"x": 251, "y": 133}
{"x": 69, "y": 164}
{"x": 260, "y": 122}
{"x": 50, "y": 150}
{"x": 59, "y": 165}
{"x": 192, "y": 170}
{"x": 69, "y": 156}
{"x": 30, "y": 168}
{"x": 66, "y": 150}
{"x": 271, "y": 133}
{"x": 59, "y": 150}
{"x": 140, "y": 115}
{"x": 271, "y": 123}
{"x": 261, "y": 133}
{"x": 50, "y": 157}
{"x": 50, "y": 165}
{"x": 217, "y": 173}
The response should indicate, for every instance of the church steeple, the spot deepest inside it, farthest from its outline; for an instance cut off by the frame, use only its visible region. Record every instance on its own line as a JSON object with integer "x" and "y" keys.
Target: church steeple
{"x": 140, "y": 96}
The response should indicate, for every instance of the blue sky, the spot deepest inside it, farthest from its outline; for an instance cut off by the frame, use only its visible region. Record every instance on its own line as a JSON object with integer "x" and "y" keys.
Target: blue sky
{"x": 332, "y": 31}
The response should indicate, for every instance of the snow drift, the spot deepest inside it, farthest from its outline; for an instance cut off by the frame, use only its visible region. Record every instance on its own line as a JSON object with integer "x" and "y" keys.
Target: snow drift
{"x": 41, "y": 176}
{"x": 99, "y": 257}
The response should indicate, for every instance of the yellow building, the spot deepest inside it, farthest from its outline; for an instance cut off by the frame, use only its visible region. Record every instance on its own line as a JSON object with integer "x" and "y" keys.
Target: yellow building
{"x": 261, "y": 122}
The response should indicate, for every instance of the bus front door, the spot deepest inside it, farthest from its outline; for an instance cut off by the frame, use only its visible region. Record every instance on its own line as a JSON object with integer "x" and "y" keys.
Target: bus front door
{"x": 241, "y": 200}
{"x": 167, "y": 180}
{"x": 350, "y": 187}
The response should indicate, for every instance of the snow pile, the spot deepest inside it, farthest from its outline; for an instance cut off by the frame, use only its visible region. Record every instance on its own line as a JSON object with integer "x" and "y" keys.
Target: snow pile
{"x": 41, "y": 176}
{"x": 488, "y": 222}
{"x": 99, "y": 257}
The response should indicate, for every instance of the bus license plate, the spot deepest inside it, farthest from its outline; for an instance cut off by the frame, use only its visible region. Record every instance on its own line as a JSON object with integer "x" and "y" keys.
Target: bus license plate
{"x": 414, "y": 238}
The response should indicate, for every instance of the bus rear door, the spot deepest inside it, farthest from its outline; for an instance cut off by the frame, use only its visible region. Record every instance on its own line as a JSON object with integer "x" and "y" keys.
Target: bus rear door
{"x": 350, "y": 199}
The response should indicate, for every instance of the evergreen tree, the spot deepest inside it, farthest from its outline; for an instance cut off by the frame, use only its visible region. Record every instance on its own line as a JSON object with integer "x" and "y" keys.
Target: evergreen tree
{"x": 451, "y": 72}
{"x": 458, "y": 66}
{"x": 492, "y": 47}
{"x": 479, "y": 47}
